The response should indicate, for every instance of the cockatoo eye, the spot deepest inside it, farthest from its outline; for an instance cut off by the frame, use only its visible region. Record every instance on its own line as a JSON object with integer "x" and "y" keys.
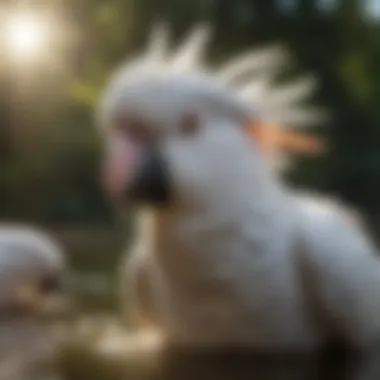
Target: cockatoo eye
{"x": 189, "y": 125}
{"x": 136, "y": 131}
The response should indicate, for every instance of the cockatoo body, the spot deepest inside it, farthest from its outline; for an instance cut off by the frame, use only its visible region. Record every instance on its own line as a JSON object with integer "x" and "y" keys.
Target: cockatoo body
{"x": 223, "y": 245}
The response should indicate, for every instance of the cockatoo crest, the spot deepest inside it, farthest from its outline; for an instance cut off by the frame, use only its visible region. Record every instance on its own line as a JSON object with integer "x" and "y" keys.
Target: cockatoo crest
{"x": 245, "y": 85}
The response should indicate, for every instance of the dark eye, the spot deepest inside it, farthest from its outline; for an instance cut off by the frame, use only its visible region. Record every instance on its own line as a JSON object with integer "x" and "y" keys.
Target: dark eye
{"x": 135, "y": 130}
{"x": 50, "y": 283}
{"x": 189, "y": 124}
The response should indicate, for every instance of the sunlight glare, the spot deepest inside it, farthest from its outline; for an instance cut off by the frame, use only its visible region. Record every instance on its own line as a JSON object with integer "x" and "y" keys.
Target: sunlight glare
{"x": 26, "y": 35}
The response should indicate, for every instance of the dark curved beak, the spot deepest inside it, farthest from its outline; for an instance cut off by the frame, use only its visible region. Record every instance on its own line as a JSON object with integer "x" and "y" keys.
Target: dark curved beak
{"x": 151, "y": 183}
{"x": 136, "y": 173}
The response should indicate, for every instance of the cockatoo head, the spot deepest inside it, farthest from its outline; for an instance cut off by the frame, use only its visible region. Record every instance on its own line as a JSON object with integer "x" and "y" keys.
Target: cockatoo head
{"x": 31, "y": 271}
{"x": 181, "y": 134}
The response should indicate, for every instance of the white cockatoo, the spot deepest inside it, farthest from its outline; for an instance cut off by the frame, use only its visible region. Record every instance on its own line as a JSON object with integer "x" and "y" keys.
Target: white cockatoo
{"x": 226, "y": 254}
{"x": 32, "y": 299}
{"x": 32, "y": 268}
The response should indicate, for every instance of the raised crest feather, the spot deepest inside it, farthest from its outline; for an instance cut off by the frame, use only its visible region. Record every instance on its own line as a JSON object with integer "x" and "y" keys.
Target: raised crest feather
{"x": 265, "y": 60}
{"x": 190, "y": 54}
{"x": 158, "y": 48}
{"x": 251, "y": 74}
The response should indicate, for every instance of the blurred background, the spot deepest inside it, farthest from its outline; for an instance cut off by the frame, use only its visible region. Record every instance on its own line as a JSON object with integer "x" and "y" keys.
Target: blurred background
{"x": 56, "y": 55}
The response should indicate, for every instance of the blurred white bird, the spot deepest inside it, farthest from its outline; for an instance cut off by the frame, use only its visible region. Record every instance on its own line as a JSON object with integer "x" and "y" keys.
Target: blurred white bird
{"x": 32, "y": 299}
{"x": 224, "y": 245}
{"x": 32, "y": 267}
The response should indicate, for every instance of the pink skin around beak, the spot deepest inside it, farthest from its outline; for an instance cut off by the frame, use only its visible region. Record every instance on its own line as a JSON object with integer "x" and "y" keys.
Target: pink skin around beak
{"x": 121, "y": 159}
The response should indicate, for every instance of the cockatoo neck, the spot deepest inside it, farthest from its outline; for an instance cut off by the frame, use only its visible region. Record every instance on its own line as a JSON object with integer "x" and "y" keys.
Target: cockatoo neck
{"x": 252, "y": 194}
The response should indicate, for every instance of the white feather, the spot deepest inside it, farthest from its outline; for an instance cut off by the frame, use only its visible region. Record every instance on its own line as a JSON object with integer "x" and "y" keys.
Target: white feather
{"x": 264, "y": 61}
{"x": 190, "y": 55}
{"x": 301, "y": 117}
{"x": 255, "y": 90}
{"x": 158, "y": 49}
{"x": 296, "y": 91}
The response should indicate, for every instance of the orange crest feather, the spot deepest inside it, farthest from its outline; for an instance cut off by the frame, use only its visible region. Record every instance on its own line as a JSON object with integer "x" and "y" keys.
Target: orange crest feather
{"x": 271, "y": 138}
